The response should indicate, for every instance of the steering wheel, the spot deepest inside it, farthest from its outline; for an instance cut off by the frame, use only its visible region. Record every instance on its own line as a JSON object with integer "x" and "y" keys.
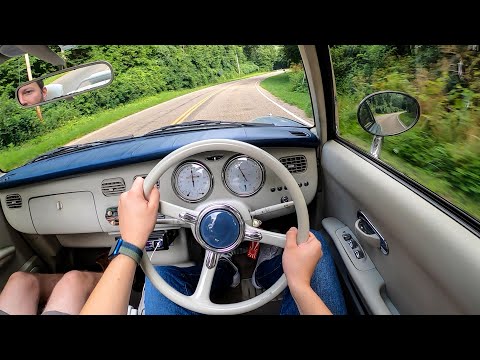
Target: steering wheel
{"x": 233, "y": 231}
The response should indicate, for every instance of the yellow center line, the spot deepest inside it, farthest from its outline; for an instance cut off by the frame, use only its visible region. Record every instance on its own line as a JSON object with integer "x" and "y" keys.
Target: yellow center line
{"x": 195, "y": 107}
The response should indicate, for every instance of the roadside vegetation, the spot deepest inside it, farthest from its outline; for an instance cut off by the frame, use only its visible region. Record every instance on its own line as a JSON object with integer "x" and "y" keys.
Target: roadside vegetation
{"x": 442, "y": 151}
{"x": 144, "y": 76}
{"x": 291, "y": 87}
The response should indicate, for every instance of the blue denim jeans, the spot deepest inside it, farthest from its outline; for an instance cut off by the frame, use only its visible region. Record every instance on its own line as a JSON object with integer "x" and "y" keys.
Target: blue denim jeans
{"x": 324, "y": 282}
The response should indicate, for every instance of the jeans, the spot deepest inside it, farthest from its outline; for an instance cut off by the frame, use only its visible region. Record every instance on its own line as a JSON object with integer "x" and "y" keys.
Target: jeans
{"x": 324, "y": 282}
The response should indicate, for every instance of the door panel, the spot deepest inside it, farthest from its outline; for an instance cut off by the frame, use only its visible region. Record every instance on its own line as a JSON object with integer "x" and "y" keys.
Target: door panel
{"x": 15, "y": 254}
{"x": 433, "y": 261}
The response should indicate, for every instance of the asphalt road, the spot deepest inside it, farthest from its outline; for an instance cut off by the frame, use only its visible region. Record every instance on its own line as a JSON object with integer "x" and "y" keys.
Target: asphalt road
{"x": 240, "y": 100}
{"x": 72, "y": 79}
{"x": 390, "y": 123}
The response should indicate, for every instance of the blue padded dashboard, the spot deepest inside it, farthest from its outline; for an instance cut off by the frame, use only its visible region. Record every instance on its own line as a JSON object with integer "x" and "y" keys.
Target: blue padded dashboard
{"x": 140, "y": 149}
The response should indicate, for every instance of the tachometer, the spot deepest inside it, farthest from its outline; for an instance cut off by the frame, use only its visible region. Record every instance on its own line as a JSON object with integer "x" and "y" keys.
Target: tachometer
{"x": 192, "y": 181}
{"x": 243, "y": 176}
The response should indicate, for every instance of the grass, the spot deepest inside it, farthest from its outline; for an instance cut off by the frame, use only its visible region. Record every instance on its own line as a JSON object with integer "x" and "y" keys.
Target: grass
{"x": 407, "y": 119}
{"x": 49, "y": 80}
{"x": 279, "y": 86}
{"x": 13, "y": 157}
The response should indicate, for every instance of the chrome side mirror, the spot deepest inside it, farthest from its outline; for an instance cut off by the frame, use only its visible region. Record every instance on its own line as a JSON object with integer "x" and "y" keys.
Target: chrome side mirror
{"x": 387, "y": 113}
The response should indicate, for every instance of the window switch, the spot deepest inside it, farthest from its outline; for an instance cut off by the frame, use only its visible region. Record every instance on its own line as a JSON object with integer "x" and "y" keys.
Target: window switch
{"x": 359, "y": 254}
{"x": 352, "y": 243}
{"x": 346, "y": 237}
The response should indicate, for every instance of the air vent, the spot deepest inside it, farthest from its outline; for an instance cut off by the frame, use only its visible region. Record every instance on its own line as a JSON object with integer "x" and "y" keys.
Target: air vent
{"x": 298, "y": 133}
{"x": 112, "y": 187}
{"x": 14, "y": 201}
{"x": 144, "y": 176}
{"x": 295, "y": 164}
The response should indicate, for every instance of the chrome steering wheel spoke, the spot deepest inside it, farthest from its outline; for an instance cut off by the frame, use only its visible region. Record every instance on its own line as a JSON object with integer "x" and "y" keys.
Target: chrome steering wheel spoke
{"x": 202, "y": 292}
{"x": 178, "y": 212}
{"x": 264, "y": 236}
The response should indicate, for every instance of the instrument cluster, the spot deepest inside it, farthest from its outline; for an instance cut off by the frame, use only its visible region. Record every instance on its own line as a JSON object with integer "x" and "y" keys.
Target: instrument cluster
{"x": 242, "y": 176}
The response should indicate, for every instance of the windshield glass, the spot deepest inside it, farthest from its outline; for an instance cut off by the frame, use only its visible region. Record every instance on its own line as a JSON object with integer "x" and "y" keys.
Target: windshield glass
{"x": 153, "y": 86}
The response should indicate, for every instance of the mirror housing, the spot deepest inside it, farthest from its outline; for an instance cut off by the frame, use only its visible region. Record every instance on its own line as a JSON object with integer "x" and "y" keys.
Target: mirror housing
{"x": 65, "y": 83}
{"x": 387, "y": 113}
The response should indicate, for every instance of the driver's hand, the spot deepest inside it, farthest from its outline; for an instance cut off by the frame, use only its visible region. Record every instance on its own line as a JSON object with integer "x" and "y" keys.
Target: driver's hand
{"x": 299, "y": 261}
{"x": 136, "y": 215}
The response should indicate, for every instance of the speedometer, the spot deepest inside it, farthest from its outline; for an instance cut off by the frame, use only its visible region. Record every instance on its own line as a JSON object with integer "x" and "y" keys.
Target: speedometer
{"x": 243, "y": 176}
{"x": 192, "y": 181}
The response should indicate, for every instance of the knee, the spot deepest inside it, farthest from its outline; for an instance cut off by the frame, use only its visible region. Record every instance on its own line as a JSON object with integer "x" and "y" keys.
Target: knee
{"x": 24, "y": 280}
{"x": 80, "y": 279}
{"x": 171, "y": 275}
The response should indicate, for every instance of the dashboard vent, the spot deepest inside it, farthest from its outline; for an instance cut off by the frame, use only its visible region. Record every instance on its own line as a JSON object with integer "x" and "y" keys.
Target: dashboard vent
{"x": 14, "y": 201}
{"x": 144, "y": 176}
{"x": 112, "y": 187}
{"x": 298, "y": 133}
{"x": 295, "y": 164}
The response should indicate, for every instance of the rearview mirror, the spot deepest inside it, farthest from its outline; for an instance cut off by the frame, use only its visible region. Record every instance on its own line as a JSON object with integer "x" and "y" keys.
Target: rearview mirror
{"x": 64, "y": 84}
{"x": 387, "y": 113}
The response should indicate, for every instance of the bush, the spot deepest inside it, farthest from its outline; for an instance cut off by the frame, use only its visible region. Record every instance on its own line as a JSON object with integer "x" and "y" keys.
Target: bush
{"x": 465, "y": 175}
{"x": 296, "y": 75}
{"x": 139, "y": 72}
{"x": 248, "y": 68}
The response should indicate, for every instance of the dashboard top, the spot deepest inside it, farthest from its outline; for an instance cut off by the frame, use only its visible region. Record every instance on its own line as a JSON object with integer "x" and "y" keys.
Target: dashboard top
{"x": 142, "y": 149}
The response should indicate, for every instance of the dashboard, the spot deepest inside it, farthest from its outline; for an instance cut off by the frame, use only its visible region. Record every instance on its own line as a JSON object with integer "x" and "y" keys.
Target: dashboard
{"x": 86, "y": 203}
{"x": 74, "y": 197}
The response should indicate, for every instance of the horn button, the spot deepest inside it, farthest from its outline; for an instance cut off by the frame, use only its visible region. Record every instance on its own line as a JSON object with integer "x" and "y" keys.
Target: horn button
{"x": 220, "y": 228}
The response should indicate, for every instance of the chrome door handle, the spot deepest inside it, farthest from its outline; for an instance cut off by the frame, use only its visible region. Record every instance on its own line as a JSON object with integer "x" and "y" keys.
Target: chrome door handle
{"x": 365, "y": 230}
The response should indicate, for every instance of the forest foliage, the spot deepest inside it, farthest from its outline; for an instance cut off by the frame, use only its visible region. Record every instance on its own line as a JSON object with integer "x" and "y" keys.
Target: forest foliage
{"x": 445, "y": 144}
{"x": 139, "y": 71}
{"x": 442, "y": 151}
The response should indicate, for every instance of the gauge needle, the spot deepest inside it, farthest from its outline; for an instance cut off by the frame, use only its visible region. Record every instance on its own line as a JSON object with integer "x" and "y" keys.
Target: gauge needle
{"x": 193, "y": 181}
{"x": 239, "y": 168}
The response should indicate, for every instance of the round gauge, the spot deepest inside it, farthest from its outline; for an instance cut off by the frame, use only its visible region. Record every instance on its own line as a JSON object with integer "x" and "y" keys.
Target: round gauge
{"x": 243, "y": 176}
{"x": 192, "y": 181}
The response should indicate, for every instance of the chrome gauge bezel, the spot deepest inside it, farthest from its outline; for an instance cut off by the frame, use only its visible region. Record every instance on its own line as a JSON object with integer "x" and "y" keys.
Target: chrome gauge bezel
{"x": 175, "y": 182}
{"x": 227, "y": 164}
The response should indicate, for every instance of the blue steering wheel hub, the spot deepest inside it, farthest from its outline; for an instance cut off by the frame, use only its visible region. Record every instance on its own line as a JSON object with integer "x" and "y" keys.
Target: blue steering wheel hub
{"x": 220, "y": 229}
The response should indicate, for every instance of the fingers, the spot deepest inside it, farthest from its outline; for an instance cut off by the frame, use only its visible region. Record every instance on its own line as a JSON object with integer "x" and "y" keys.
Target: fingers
{"x": 137, "y": 189}
{"x": 154, "y": 199}
{"x": 291, "y": 237}
{"x": 137, "y": 186}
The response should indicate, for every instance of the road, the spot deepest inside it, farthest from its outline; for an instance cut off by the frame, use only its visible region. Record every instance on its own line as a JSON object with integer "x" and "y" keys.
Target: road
{"x": 73, "y": 79}
{"x": 390, "y": 123}
{"x": 240, "y": 100}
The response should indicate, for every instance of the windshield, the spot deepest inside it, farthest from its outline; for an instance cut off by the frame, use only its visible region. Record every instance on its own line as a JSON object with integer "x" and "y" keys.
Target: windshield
{"x": 153, "y": 87}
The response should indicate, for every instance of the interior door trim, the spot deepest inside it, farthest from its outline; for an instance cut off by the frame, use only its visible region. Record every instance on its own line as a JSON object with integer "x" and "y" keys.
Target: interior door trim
{"x": 440, "y": 203}
{"x": 6, "y": 254}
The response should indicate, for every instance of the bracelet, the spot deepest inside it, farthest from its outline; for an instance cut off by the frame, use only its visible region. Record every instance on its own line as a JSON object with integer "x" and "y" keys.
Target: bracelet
{"x": 126, "y": 248}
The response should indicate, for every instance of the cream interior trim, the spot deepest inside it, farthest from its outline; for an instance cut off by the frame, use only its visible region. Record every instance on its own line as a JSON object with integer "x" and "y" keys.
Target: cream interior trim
{"x": 434, "y": 262}
{"x": 315, "y": 84}
{"x": 21, "y": 219}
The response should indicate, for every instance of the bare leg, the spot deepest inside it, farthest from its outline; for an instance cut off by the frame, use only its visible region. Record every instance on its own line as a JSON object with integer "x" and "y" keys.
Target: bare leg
{"x": 23, "y": 292}
{"x": 72, "y": 291}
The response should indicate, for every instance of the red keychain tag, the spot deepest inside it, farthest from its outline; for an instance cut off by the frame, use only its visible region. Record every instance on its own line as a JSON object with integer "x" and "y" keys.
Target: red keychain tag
{"x": 253, "y": 249}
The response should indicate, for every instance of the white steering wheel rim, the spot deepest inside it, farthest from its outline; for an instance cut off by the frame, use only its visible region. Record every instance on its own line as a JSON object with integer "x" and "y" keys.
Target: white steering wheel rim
{"x": 198, "y": 304}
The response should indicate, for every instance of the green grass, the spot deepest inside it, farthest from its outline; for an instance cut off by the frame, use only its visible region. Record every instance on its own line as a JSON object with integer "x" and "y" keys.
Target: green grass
{"x": 280, "y": 86}
{"x": 49, "y": 80}
{"x": 16, "y": 156}
{"x": 407, "y": 119}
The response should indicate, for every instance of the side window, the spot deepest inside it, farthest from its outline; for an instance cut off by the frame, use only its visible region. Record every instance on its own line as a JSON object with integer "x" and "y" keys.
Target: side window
{"x": 442, "y": 151}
